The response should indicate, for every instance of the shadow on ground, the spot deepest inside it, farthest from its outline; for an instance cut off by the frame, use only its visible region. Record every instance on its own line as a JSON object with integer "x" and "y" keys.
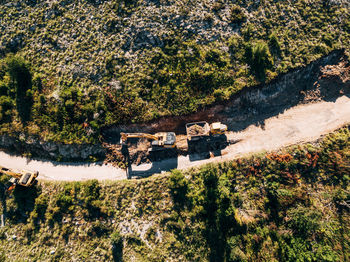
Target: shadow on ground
{"x": 156, "y": 166}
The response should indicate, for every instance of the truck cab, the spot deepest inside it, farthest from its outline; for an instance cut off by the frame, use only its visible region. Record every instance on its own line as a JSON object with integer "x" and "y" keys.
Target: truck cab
{"x": 217, "y": 128}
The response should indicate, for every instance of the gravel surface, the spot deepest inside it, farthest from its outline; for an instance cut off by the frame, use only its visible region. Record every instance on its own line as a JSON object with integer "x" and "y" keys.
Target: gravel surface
{"x": 298, "y": 124}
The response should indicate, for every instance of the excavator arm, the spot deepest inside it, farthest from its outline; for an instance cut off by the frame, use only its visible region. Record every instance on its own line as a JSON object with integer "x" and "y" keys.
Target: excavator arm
{"x": 125, "y": 136}
{"x": 162, "y": 139}
{"x": 8, "y": 172}
{"x": 24, "y": 178}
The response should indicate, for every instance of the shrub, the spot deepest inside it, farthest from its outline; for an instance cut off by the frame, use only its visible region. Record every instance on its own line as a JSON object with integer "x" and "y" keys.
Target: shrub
{"x": 274, "y": 45}
{"x": 215, "y": 56}
{"x": 304, "y": 221}
{"x": 64, "y": 202}
{"x": 41, "y": 204}
{"x": 91, "y": 189}
{"x": 178, "y": 186}
{"x": 98, "y": 229}
{"x": 258, "y": 57}
{"x": 237, "y": 14}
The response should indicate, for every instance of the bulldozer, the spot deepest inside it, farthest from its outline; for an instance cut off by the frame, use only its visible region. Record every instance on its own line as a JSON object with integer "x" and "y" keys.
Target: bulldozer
{"x": 159, "y": 140}
{"x": 23, "y": 178}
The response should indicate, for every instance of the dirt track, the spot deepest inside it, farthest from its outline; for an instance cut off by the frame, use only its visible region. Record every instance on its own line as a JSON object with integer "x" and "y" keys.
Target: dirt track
{"x": 298, "y": 124}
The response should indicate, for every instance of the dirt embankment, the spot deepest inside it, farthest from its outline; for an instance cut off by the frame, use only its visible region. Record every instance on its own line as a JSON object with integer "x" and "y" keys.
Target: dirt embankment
{"x": 325, "y": 79}
{"x": 285, "y": 91}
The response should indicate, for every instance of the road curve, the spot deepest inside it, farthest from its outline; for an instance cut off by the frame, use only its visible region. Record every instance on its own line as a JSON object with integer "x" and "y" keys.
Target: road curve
{"x": 298, "y": 124}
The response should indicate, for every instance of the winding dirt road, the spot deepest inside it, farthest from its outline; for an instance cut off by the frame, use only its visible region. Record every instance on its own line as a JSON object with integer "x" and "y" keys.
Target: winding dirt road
{"x": 298, "y": 124}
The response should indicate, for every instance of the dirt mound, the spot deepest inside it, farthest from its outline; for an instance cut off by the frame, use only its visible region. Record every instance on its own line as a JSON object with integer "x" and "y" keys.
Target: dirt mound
{"x": 196, "y": 130}
{"x": 118, "y": 156}
{"x": 335, "y": 79}
{"x": 339, "y": 73}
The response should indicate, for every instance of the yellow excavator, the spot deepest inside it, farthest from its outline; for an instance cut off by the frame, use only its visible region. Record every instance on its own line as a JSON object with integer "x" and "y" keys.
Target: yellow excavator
{"x": 24, "y": 178}
{"x": 159, "y": 140}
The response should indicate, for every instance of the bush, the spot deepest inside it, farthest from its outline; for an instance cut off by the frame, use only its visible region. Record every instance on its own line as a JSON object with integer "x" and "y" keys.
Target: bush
{"x": 237, "y": 14}
{"x": 215, "y": 56}
{"x": 91, "y": 189}
{"x": 304, "y": 221}
{"x": 64, "y": 202}
{"x": 274, "y": 45}
{"x": 6, "y": 103}
{"x": 178, "y": 186}
{"x": 258, "y": 57}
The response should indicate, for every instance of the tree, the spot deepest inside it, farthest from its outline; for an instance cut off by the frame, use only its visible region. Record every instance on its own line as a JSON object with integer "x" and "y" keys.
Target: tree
{"x": 258, "y": 57}
{"x": 178, "y": 185}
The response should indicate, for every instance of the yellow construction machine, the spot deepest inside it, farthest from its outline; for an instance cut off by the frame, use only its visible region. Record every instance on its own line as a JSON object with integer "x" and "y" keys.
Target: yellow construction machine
{"x": 159, "y": 140}
{"x": 198, "y": 130}
{"x": 24, "y": 178}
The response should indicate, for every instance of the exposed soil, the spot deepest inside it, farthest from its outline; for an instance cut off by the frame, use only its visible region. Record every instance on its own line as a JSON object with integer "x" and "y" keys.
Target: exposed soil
{"x": 196, "y": 130}
{"x": 254, "y": 104}
{"x": 318, "y": 82}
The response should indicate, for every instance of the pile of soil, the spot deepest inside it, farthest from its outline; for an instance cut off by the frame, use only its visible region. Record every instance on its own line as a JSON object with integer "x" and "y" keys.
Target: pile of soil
{"x": 196, "y": 130}
{"x": 119, "y": 156}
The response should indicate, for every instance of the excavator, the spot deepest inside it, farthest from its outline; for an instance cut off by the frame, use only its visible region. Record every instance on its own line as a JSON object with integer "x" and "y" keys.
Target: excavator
{"x": 24, "y": 178}
{"x": 159, "y": 140}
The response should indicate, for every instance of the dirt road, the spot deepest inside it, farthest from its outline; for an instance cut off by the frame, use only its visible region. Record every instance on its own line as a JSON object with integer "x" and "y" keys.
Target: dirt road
{"x": 301, "y": 123}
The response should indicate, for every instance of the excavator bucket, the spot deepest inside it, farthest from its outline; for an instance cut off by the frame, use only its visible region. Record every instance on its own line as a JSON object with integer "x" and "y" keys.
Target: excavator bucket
{"x": 11, "y": 188}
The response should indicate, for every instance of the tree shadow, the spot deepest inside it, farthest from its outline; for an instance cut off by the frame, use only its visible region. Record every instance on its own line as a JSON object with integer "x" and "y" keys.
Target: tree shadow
{"x": 24, "y": 197}
{"x": 22, "y": 79}
{"x": 117, "y": 252}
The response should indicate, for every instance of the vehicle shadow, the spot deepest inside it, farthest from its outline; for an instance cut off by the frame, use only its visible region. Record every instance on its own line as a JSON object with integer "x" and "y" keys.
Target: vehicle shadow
{"x": 206, "y": 147}
{"x": 157, "y": 166}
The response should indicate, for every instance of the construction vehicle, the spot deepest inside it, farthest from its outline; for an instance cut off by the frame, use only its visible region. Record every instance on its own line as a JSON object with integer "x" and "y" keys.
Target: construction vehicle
{"x": 198, "y": 130}
{"x": 159, "y": 140}
{"x": 24, "y": 178}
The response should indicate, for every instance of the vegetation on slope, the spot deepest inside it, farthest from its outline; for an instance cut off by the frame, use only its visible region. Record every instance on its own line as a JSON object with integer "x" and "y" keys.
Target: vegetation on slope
{"x": 99, "y": 63}
{"x": 291, "y": 205}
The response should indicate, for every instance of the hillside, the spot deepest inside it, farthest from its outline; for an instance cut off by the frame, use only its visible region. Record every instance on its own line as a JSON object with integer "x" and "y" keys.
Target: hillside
{"x": 70, "y": 68}
{"x": 290, "y": 205}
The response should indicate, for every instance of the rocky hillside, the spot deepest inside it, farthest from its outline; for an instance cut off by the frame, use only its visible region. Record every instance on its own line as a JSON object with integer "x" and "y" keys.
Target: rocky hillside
{"x": 91, "y": 64}
{"x": 291, "y": 205}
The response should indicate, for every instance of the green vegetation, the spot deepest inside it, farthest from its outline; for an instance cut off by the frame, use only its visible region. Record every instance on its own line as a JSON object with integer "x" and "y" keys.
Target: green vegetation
{"x": 291, "y": 205}
{"x": 92, "y": 65}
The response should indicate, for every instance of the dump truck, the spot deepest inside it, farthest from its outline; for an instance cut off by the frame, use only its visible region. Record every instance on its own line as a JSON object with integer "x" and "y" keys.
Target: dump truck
{"x": 23, "y": 178}
{"x": 160, "y": 140}
{"x": 198, "y": 130}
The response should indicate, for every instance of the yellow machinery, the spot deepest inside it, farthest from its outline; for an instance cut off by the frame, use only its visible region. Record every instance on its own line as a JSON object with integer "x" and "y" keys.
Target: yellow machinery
{"x": 198, "y": 130}
{"x": 159, "y": 140}
{"x": 24, "y": 178}
{"x": 217, "y": 128}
